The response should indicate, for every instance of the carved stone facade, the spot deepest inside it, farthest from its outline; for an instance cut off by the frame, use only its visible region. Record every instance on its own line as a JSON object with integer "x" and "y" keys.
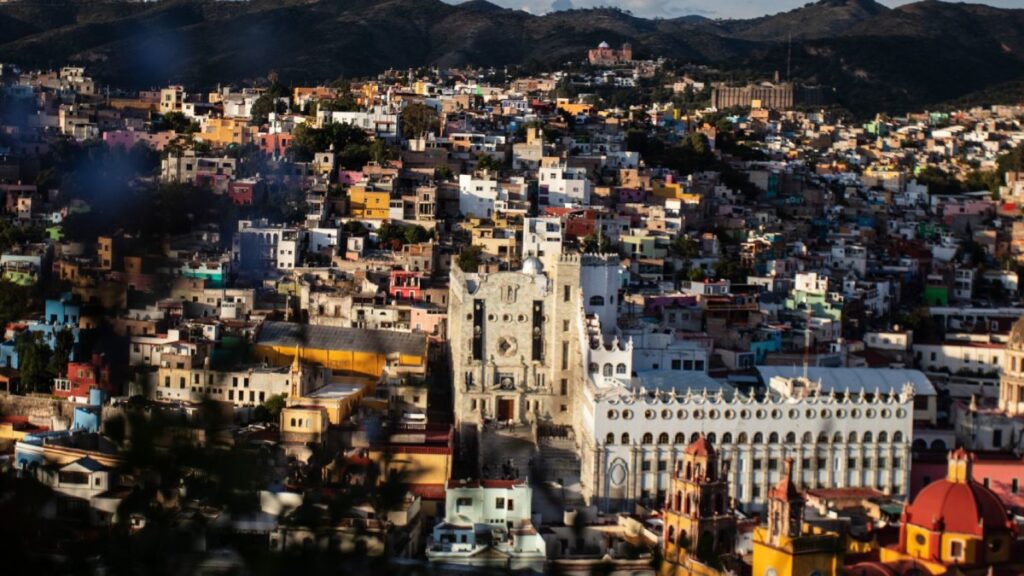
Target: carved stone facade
{"x": 515, "y": 350}
{"x": 631, "y": 440}
{"x": 1011, "y": 382}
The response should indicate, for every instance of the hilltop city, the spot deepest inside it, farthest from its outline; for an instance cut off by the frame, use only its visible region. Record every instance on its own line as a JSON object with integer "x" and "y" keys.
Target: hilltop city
{"x": 627, "y": 316}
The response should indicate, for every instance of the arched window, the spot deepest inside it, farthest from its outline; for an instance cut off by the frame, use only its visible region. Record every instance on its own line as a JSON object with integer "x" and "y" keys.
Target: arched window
{"x": 758, "y": 438}
{"x": 689, "y": 470}
{"x": 293, "y": 422}
{"x": 808, "y": 437}
{"x": 678, "y": 502}
{"x": 687, "y": 502}
{"x": 852, "y": 438}
{"x": 791, "y": 438}
{"x": 897, "y": 437}
{"x": 868, "y": 437}
{"x": 773, "y": 438}
{"x": 620, "y": 369}
{"x": 625, "y": 438}
{"x": 680, "y": 438}
{"x": 648, "y": 438}
{"x": 663, "y": 438}
{"x": 920, "y": 444}
{"x": 597, "y": 300}
{"x": 608, "y": 370}
{"x": 883, "y": 436}
{"x": 742, "y": 438}
{"x": 822, "y": 438}
{"x": 672, "y": 534}
{"x": 594, "y": 368}
{"x": 610, "y": 439}
{"x": 682, "y": 539}
{"x": 711, "y": 437}
{"x": 938, "y": 444}
{"x": 727, "y": 438}
{"x": 694, "y": 437}
{"x": 838, "y": 438}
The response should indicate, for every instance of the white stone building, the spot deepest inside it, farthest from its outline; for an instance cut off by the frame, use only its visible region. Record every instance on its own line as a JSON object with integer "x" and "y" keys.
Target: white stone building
{"x": 481, "y": 197}
{"x": 560, "y": 185}
{"x": 488, "y": 523}
{"x": 516, "y": 336}
{"x": 259, "y": 246}
{"x": 380, "y": 121}
{"x": 630, "y": 438}
{"x": 542, "y": 239}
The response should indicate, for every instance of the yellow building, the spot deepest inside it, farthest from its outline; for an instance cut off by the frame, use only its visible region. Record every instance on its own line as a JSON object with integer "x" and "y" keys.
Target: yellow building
{"x": 225, "y": 131}
{"x": 574, "y": 108}
{"x": 786, "y": 546}
{"x": 420, "y": 457}
{"x": 674, "y": 191}
{"x": 700, "y": 526}
{"x": 171, "y": 99}
{"x": 953, "y": 526}
{"x": 369, "y": 204}
{"x": 304, "y": 424}
{"x": 348, "y": 351}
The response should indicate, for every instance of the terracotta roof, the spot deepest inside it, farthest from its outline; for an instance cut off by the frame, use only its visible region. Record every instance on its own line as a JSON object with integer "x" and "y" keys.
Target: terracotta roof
{"x": 700, "y": 447}
{"x": 960, "y": 505}
{"x": 786, "y": 490}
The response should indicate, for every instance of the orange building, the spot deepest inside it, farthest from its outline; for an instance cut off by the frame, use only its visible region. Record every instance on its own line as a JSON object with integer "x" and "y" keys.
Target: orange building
{"x": 953, "y": 526}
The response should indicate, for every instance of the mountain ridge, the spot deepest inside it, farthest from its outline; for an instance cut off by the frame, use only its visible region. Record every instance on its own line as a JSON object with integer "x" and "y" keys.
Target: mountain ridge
{"x": 848, "y": 44}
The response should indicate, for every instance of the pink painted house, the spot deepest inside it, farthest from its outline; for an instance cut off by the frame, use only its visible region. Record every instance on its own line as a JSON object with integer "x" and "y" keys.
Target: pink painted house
{"x": 1003, "y": 473}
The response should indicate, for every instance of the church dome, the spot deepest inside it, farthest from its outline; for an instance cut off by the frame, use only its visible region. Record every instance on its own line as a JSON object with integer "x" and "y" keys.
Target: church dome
{"x": 533, "y": 266}
{"x": 958, "y": 504}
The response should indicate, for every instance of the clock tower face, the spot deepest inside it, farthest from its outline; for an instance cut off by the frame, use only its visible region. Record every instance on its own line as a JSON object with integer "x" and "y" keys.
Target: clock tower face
{"x": 507, "y": 346}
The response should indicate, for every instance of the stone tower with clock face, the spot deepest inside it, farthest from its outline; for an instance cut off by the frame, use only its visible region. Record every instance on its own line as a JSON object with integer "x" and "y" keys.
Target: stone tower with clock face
{"x": 514, "y": 340}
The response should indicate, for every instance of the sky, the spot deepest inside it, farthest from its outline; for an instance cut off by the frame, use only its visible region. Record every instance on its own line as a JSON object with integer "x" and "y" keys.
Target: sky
{"x": 707, "y": 8}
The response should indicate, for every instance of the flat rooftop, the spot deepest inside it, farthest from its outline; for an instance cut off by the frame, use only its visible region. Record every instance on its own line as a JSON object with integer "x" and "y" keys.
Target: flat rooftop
{"x": 336, "y": 391}
{"x": 337, "y": 338}
{"x": 681, "y": 380}
{"x": 870, "y": 380}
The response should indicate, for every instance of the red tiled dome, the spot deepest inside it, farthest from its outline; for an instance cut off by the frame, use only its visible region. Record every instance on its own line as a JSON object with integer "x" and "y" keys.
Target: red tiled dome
{"x": 700, "y": 447}
{"x": 962, "y": 507}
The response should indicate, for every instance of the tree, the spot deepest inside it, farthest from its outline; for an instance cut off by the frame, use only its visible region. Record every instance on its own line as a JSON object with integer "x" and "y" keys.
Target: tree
{"x": 270, "y": 410}
{"x": 179, "y": 123}
{"x": 33, "y": 357}
{"x": 686, "y": 248}
{"x": 470, "y": 258}
{"x": 351, "y": 143}
{"x": 418, "y": 119}
{"x": 983, "y": 180}
{"x": 354, "y": 228}
{"x": 938, "y": 181}
{"x": 276, "y": 99}
{"x": 62, "y": 352}
{"x": 730, "y": 269}
{"x": 11, "y": 234}
{"x": 381, "y": 153}
{"x": 14, "y": 301}
{"x": 416, "y": 234}
{"x": 344, "y": 102}
{"x": 921, "y": 322}
{"x": 595, "y": 243}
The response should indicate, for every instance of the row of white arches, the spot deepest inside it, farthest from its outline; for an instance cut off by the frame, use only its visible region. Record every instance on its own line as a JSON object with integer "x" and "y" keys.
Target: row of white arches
{"x": 759, "y": 438}
{"x": 620, "y": 369}
{"x": 759, "y": 414}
